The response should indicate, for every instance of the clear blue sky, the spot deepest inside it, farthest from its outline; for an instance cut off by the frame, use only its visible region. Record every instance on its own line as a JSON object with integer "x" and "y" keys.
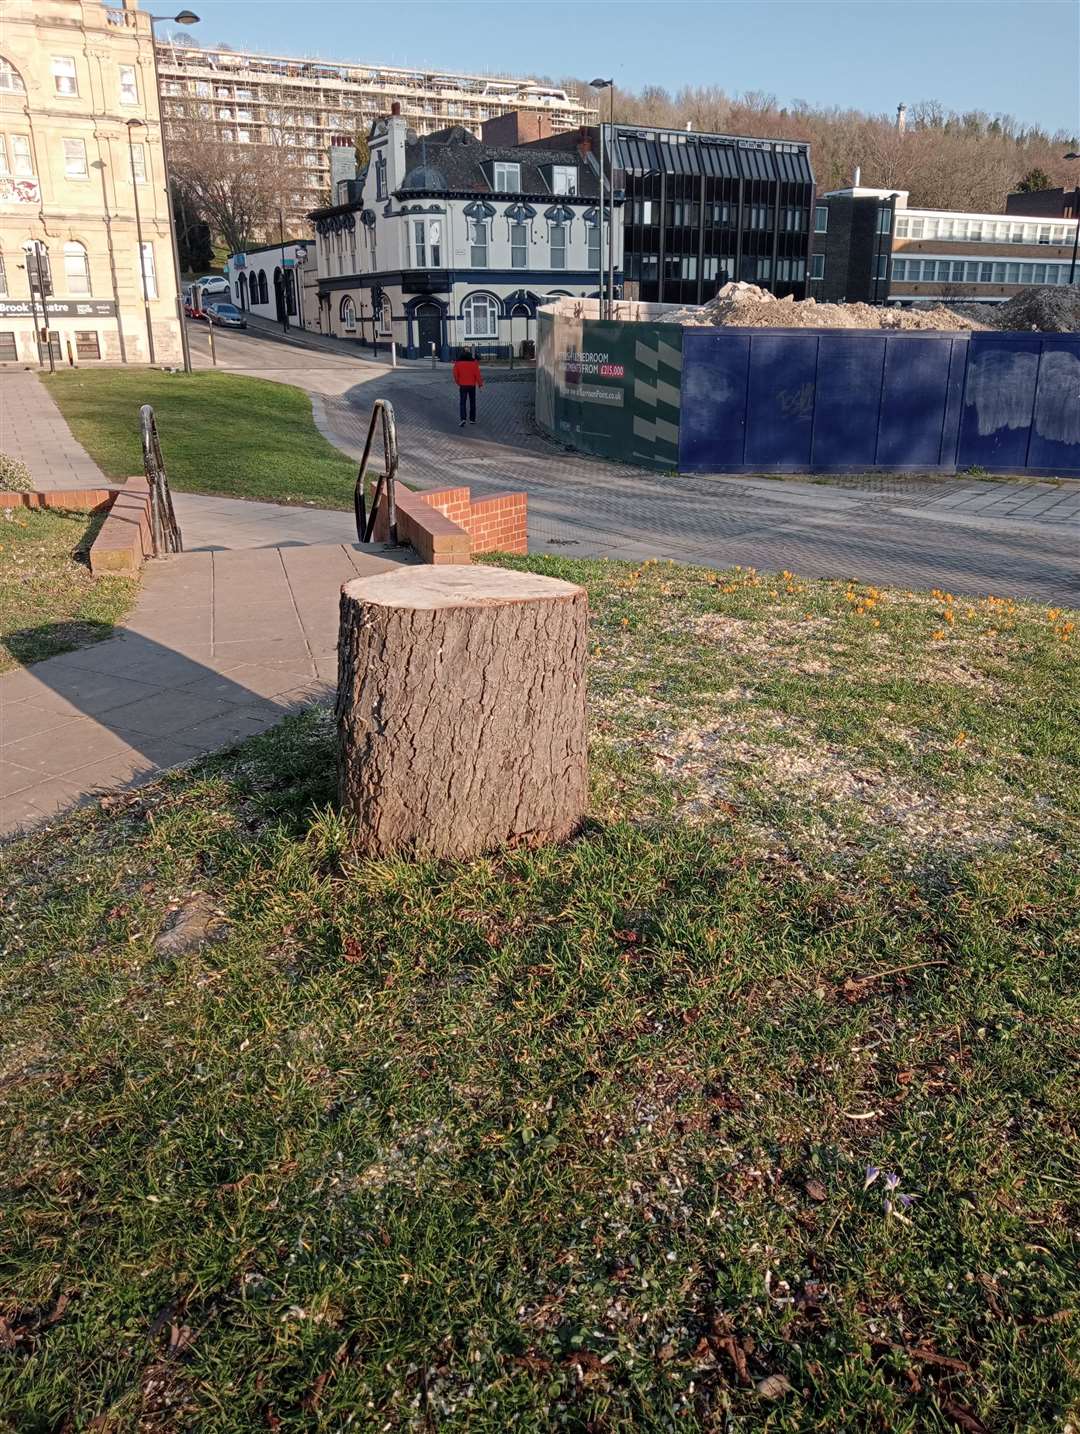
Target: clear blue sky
{"x": 1019, "y": 57}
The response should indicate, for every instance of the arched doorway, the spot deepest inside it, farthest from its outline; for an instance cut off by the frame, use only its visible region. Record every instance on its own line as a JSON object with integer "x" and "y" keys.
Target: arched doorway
{"x": 428, "y": 328}
{"x": 279, "y": 296}
{"x": 519, "y": 331}
{"x": 241, "y": 289}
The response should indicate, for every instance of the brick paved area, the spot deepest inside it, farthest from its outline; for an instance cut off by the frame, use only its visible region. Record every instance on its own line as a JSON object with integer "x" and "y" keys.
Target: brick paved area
{"x": 221, "y": 645}
{"x": 965, "y": 535}
{"x": 33, "y": 429}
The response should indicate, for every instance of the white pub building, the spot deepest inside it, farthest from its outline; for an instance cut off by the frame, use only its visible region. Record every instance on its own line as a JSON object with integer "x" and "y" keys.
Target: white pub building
{"x": 448, "y": 241}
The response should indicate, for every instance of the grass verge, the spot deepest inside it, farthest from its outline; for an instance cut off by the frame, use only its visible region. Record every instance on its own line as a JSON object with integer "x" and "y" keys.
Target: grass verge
{"x": 585, "y": 1137}
{"x": 220, "y": 433}
{"x": 49, "y": 602}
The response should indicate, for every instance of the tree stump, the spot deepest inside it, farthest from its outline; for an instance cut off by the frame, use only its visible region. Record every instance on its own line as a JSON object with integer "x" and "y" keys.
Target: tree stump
{"x": 461, "y": 710}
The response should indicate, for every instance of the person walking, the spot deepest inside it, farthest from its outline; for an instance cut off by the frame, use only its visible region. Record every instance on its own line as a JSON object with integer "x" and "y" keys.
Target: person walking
{"x": 468, "y": 378}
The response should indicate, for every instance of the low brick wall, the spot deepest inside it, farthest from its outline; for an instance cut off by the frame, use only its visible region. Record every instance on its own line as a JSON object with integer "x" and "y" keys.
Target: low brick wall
{"x": 448, "y": 525}
{"x": 75, "y": 500}
{"x": 123, "y": 541}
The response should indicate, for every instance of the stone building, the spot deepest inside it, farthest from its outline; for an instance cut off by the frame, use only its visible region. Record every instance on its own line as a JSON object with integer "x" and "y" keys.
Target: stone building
{"x": 82, "y": 188}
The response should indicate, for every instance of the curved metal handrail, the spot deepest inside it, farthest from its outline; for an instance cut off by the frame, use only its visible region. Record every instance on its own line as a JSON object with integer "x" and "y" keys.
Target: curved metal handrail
{"x": 164, "y": 530}
{"x": 365, "y": 522}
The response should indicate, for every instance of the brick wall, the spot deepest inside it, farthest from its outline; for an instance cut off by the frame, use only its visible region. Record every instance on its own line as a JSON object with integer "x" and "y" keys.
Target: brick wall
{"x": 460, "y": 524}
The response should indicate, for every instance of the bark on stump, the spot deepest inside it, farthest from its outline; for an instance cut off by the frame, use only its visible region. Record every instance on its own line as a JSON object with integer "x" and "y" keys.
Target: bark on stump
{"x": 461, "y": 710}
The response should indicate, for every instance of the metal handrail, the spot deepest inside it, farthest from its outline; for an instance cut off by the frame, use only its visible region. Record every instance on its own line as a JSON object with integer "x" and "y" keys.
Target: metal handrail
{"x": 165, "y": 534}
{"x": 365, "y": 522}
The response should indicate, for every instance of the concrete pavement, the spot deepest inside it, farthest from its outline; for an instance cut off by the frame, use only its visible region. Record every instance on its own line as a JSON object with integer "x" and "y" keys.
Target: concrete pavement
{"x": 221, "y": 645}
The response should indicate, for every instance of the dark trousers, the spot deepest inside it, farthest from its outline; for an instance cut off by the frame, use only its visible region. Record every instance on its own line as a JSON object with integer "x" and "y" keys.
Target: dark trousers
{"x": 467, "y": 394}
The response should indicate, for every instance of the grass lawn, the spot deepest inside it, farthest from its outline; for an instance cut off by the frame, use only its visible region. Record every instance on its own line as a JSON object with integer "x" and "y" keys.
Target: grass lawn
{"x": 49, "y": 603}
{"x": 754, "y": 1107}
{"x": 220, "y": 433}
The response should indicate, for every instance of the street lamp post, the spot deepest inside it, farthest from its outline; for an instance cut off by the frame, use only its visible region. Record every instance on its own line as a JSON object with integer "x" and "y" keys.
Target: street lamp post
{"x": 284, "y": 273}
{"x": 599, "y": 84}
{"x": 1076, "y": 217}
{"x": 185, "y": 17}
{"x": 134, "y": 124}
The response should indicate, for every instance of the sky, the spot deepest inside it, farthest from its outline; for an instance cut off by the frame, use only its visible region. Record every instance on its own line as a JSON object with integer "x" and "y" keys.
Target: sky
{"x": 1018, "y": 57}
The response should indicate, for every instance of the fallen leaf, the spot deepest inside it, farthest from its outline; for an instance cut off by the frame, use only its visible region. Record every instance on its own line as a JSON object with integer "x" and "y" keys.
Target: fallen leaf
{"x": 311, "y": 1398}
{"x": 816, "y": 1190}
{"x": 773, "y": 1386}
{"x": 960, "y": 1414}
{"x": 352, "y": 951}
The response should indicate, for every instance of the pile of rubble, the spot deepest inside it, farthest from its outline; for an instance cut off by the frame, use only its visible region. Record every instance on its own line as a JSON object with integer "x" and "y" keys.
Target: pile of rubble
{"x": 1051, "y": 311}
{"x": 747, "y": 306}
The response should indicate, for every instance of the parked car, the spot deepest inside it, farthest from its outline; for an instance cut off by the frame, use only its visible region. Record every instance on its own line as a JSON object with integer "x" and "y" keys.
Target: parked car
{"x": 227, "y": 315}
{"x": 214, "y": 284}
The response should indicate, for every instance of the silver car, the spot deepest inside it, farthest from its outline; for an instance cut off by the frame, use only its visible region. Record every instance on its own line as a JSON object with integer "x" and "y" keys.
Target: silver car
{"x": 228, "y": 316}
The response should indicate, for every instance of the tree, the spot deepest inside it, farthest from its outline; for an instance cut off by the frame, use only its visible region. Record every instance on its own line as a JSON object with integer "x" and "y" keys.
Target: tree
{"x": 237, "y": 188}
{"x": 363, "y": 153}
{"x": 1034, "y": 180}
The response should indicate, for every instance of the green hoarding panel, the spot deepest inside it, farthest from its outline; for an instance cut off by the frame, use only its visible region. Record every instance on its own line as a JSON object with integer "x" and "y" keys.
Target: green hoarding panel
{"x": 611, "y": 388}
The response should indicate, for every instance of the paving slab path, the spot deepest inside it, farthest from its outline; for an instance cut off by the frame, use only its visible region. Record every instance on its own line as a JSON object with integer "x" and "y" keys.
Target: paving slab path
{"x": 221, "y": 645}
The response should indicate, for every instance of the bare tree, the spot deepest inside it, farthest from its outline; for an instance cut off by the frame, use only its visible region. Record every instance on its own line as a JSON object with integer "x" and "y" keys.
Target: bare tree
{"x": 239, "y": 187}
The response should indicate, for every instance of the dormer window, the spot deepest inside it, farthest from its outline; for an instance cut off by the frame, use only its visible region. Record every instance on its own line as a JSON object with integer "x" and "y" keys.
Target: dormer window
{"x": 380, "y": 177}
{"x": 564, "y": 179}
{"x": 507, "y": 178}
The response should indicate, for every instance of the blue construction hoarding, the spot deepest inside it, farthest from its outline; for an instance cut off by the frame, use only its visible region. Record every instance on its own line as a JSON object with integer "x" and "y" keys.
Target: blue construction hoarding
{"x": 728, "y": 400}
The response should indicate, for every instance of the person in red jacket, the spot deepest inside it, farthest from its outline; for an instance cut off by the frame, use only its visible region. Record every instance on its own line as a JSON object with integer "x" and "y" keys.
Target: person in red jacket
{"x": 468, "y": 378}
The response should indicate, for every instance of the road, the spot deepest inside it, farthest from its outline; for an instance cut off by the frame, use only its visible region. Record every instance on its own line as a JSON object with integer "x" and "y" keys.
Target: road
{"x": 962, "y": 535}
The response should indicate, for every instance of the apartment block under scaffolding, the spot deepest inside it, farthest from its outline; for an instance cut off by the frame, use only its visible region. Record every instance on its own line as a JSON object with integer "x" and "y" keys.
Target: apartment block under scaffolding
{"x": 306, "y": 103}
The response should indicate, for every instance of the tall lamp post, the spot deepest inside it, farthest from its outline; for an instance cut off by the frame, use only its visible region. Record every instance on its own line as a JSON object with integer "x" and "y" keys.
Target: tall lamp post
{"x": 185, "y": 17}
{"x": 1076, "y": 216}
{"x": 601, "y": 85}
{"x": 132, "y": 125}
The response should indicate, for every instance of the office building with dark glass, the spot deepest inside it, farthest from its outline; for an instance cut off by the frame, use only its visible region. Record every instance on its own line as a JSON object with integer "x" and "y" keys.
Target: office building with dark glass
{"x": 703, "y": 209}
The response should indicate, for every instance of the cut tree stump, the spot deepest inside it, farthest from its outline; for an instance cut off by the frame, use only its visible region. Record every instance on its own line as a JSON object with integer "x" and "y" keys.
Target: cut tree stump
{"x": 461, "y": 710}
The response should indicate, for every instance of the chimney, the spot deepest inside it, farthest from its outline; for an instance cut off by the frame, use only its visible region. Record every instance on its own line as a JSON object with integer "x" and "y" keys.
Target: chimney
{"x": 858, "y": 176}
{"x": 689, "y": 127}
{"x": 901, "y": 118}
{"x": 395, "y": 149}
{"x": 342, "y": 163}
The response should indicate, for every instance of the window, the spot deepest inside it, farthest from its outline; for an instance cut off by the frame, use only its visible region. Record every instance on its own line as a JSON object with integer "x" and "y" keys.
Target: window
{"x": 380, "y": 177}
{"x": 481, "y": 315}
{"x": 917, "y": 226}
{"x": 519, "y": 246}
{"x": 592, "y": 232}
{"x": 764, "y": 268}
{"x": 348, "y": 315}
{"x": 508, "y": 178}
{"x": 63, "y": 73}
{"x": 20, "y": 156}
{"x": 986, "y": 273}
{"x": 558, "y": 246}
{"x": 881, "y": 266}
{"x": 478, "y": 244}
{"x": 8, "y": 352}
{"x": 902, "y": 228}
{"x": 204, "y": 90}
{"x": 4, "y": 167}
{"x": 971, "y": 272}
{"x": 1012, "y": 275}
{"x": 644, "y": 211}
{"x": 75, "y": 159}
{"x": 817, "y": 265}
{"x": 884, "y": 221}
{"x": 386, "y": 318}
{"x": 129, "y": 85}
{"x": 419, "y": 244}
{"x": 10, "y": 80}
{"x": 975, "y": 231}
{"x": 138, "y": 162}
{"x": 86, "y": 344}
{"x": 1038, "y": 275}
{"x": 76, "y": 269}
{"x": 1044, "y": 234}
{"x": 3, "y": 278}
{"x": 149, "y": 271}
{"x": 564, "y": 179}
